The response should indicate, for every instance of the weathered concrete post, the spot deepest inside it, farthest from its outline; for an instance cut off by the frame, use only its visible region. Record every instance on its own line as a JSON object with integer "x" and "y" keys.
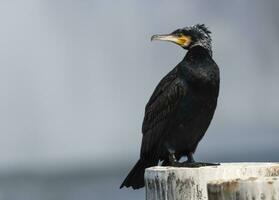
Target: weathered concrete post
{"x": 171, "y": 183}
{"x": 266, "y": 188}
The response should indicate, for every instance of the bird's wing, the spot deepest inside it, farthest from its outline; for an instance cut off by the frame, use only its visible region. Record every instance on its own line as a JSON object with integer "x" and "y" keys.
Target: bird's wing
{"x": 160, "y": 109}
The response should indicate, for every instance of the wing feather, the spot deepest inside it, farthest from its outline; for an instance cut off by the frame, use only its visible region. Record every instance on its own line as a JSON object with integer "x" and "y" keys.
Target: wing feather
{"x": 160, "y": 110}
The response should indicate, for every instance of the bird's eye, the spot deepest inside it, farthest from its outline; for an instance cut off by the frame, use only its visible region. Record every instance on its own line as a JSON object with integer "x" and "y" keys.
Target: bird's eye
{"x": 180, "y": 35}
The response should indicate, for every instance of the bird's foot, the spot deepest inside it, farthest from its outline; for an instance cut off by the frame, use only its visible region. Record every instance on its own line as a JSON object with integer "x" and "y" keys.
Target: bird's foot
{"x": 173, "y": 161}
{"x": 197, "y": 164}
{"x": 191, "y": 164}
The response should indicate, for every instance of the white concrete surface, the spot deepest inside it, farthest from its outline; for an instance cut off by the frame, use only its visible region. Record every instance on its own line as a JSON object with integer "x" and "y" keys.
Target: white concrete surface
{"x": 171, "y": 183}
{"x": 263, "y": 188}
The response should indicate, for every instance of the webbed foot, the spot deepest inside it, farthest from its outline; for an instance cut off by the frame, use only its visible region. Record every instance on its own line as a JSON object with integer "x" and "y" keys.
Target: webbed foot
{"x": 191, "y": 163}
{"x": 197, "y": 164}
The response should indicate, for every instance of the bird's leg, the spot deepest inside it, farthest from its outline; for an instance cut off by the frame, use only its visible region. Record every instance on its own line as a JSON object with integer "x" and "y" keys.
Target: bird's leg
{"x": 192, "y": 163}
{"x": 172, "y": 161}
{"x": 190, "y": 158}
{"x": 172, "y": 158}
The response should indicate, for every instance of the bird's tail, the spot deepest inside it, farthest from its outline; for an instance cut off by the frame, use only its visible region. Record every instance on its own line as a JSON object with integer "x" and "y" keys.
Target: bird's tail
{"x": 135, "y": 178}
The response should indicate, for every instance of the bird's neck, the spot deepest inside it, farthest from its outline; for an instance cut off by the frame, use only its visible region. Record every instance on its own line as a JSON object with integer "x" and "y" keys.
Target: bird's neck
{"x": 197, "y": 65}
{"x": 197, "y": 53}
{"x": 204, "y": 43}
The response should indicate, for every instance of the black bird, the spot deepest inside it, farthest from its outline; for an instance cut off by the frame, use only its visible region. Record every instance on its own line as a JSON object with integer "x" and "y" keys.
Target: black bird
{"x": 182, "y": 106}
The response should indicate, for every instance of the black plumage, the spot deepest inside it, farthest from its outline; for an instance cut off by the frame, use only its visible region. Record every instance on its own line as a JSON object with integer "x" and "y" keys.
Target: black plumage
{"x": 182, "y": 106}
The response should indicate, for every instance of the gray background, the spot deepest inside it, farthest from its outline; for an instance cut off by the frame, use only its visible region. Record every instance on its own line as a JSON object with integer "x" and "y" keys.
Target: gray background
{"x": 75, "y": 77}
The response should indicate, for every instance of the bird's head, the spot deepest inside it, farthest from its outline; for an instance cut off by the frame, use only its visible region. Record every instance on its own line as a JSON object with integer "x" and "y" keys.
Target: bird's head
{"x": 188, "y": 37}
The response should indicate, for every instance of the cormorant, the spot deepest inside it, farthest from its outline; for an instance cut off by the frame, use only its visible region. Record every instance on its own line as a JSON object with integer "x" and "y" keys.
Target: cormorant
{"x": 182, "y": 106}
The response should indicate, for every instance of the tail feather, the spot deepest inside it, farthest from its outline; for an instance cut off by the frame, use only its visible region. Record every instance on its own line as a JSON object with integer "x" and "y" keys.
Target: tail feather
{"x": 135, "y": 178}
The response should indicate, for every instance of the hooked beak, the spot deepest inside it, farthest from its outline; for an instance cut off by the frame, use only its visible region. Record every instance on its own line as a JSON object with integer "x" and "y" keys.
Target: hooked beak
{"x": 180, "y": 40}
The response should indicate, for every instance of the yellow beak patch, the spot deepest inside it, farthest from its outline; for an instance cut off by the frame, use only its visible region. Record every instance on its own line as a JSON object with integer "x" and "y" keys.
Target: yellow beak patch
{"x": 181, "y": 40}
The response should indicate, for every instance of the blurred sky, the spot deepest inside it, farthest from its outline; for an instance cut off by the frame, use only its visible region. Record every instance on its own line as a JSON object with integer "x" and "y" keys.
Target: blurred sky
{"x": 75, "y": 77}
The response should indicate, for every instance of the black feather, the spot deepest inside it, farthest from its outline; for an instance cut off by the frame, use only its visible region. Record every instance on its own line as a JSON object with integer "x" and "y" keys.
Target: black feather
{"x": 204, "y": 28}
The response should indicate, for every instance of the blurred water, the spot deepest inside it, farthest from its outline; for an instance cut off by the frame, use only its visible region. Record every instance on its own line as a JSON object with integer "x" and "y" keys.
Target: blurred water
{"x": 71, "y": 187}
